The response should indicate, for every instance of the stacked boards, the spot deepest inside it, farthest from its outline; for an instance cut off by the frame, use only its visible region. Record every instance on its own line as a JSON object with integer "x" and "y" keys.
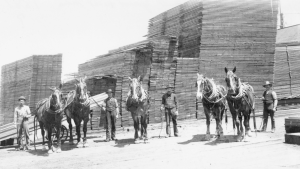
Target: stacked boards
{"x": 30, "y": 77}
{"x": 242, "y": 34}
{"x": 163, "y": 72}
{"x": 152, "y": 60}
{"x": 287, "y": 71}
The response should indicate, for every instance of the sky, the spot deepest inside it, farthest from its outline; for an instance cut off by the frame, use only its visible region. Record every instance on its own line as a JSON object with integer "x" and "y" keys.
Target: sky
{"x": 83, "y": 29}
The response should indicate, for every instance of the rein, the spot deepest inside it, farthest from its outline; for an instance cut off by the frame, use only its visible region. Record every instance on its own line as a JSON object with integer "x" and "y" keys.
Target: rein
{"x": 212, "y": 96}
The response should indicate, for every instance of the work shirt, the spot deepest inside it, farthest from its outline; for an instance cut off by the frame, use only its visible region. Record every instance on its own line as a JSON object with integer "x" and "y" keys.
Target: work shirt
{"x": 21, "y": 112}
{"x": 111, "y": 104}
{"x": 169, "y": 101}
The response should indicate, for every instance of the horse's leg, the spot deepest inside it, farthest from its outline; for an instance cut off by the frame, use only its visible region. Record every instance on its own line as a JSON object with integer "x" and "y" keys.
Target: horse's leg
{"x": 85, "y": 144}
{"x": 246, "y": 123}
{"x": 219, "y": 122}
{"x": 207, "y": 115}
{"x": 144, "y": 127}
{"x": 78, "y": 126}
{"x": 43, "y": 135}
{"x": 49, "y": 140}
{"x": 136, "y": 127}
{"x": 237, "y": 123}
{"x": 69, "y": 120}
{"x": 241, "y": 128}
{"x": 58, "y": 130}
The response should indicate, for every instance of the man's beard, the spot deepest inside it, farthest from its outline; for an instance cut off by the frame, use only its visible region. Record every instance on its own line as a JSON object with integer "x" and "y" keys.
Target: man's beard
{"x": 169, "y": 93}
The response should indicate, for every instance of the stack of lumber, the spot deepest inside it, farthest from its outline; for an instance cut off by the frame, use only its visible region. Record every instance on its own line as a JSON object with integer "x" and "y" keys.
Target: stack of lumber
{"x": 242, "y": 34}
{"x": 30, "y": 77}
{"x": 174, "y": 21}
{"x": 287, "y": 71}
{"x": 163, "y": 68}
{"x": 186, "y": 77}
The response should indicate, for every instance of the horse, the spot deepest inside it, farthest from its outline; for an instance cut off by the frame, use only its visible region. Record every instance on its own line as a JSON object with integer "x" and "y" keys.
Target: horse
{"x": 78, "y": 109}
{"x": 49, "y": 113}
{"x": 138, "y": 103}
{"x": 213, "y": 98}
{"x": 240, "y": 99}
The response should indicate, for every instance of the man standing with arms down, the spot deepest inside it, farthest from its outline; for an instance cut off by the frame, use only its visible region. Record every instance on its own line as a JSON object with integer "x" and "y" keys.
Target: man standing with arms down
{"x": 21, "y": 116}
{"x": 169, "y": 104}
{"x": 270, "y": 106}
{"x": 112, "y": 113}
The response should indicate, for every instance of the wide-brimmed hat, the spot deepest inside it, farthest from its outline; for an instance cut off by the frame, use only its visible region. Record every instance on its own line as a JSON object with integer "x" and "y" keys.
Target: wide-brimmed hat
{"x": 109, "y": 91}
{"x": 22, "y": 98}
{"x": 267, "y": 84}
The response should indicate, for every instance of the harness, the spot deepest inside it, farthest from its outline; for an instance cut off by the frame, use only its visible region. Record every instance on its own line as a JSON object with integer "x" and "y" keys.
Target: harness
{"x": 214, "y": 96}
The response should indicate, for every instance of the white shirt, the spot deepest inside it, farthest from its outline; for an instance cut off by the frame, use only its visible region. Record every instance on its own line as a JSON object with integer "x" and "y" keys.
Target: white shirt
{"x": 21, "y": 112}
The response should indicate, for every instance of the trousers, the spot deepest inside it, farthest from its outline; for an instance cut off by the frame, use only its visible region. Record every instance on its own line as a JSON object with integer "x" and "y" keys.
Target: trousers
{"x": 111, "y": 124}
{"x": 170, "y": 117}
{"x": 268, "y": 110}
{"x": 23, "y": 127}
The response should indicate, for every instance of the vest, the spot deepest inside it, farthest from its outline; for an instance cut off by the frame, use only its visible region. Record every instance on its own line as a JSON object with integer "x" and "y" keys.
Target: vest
{"x": 169, "y": 101}
{"x": 268, "y": 97}
{"x": 110, "y": 104}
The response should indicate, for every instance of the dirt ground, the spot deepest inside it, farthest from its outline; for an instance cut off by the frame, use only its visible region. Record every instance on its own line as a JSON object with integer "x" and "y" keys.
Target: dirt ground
{"x": 263, "y": 150}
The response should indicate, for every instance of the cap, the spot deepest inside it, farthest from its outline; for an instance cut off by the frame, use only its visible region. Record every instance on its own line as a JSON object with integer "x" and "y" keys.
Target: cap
{"x": 22, "y": 98}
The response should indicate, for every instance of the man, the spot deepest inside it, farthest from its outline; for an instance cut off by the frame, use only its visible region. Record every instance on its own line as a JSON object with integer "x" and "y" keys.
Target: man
{"x": 21, "y": 116}
{"x": 270, "y": 106}
{"x": 169, "y": 104}
{"x": 112, "y": 113}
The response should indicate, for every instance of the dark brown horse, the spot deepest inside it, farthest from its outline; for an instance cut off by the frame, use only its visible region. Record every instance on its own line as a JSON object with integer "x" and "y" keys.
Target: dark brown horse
{"x": 241, "y": 102}
{"x": 78, "y": 109}
{"x": 213, "y": 100}
{"x": 138, "y": 104}
{"x": 49, "y": 113}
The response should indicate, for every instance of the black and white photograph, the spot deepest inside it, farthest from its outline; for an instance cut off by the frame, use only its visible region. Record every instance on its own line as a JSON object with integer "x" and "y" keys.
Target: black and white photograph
{"x": 150, "y": 84}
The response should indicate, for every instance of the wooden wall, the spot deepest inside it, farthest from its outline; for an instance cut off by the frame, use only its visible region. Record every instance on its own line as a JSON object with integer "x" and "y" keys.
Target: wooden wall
{"x": 30, "y": 77}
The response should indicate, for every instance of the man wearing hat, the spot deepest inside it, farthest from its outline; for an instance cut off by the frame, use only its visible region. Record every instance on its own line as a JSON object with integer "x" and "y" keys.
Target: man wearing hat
{"x": 21, "y": 116}
{"x": 112, "y": 112}
{"x": 270, "y": 105}
{"x": 169, "y": 104}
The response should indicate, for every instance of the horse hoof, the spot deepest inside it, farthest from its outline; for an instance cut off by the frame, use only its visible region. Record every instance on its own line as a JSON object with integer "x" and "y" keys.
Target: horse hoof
{"x": 146, "y": 141}
{"x": 136, "y": 141}
{"x": 207, "y": 137}
{"x": 50, "y": 151}
{"x": 79, "y": 145}
{"x": 85, "y": 144}
{"x": 249, "y": 134}
{"x": 44, "y": 148}
{"x": 58, "y": 150}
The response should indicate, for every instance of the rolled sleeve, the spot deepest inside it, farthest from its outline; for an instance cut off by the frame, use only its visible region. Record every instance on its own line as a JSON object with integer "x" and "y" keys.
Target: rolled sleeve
{"x": 274, "y": 95}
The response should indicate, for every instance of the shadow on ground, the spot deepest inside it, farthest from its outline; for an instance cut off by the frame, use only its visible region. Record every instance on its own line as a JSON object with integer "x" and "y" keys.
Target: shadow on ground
{"x": 124, "y": 142}
{"x": 213, "y": 140}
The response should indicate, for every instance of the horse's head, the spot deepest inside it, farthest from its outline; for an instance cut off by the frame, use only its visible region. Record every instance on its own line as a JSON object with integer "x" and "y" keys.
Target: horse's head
{"x": 205, "y": 86}
{"x": 232, "y": 81}
{"x": 56, "y": 97}
{"x": 81, "y": 90}
{"x": 199, "y": 85}
{"x": 135, "y": 85}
